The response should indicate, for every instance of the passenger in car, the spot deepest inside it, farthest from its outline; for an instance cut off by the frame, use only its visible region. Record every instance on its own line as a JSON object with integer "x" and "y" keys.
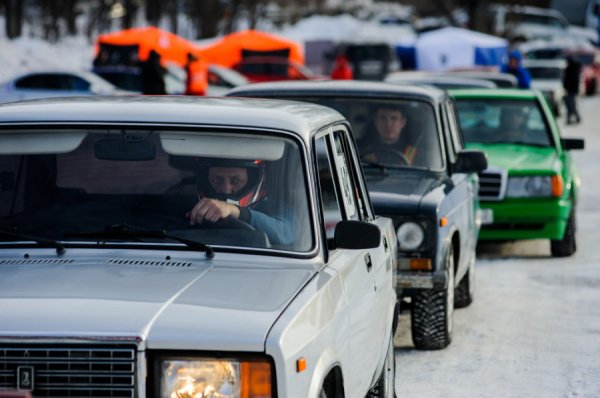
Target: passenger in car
{"x": 513, "y": 123}
{"x": 236, "y": 189}
{"x": 390, "y": 145}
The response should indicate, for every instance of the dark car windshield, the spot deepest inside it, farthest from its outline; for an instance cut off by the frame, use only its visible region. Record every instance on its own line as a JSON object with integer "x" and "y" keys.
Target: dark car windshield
{"x": 77, "y": 185}
{"x": 393, "y": 133}
{"x": 502, "y": 121}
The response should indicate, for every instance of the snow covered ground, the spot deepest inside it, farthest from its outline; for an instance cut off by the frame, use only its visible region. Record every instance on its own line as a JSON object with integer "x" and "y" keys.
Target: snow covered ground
{"x": 534, "y": 327}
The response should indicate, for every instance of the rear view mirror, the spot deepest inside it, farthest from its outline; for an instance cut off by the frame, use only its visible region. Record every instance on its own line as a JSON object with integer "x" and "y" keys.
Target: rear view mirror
{"x": 125, "y": 148}
{"x": 470, "y": 161}
{"x": 572, "y": 143}
{"x": 351, "y": 234}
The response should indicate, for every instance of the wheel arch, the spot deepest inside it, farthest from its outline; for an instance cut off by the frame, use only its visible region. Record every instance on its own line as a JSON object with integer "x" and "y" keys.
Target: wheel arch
{"x": 333, "y": 382}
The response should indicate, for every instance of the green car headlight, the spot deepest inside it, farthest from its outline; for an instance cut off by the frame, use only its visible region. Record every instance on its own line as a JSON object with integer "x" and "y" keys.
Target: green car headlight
{"x": 531, "y": 186}
{"x": 410, "y": 235}
{"x": 190, "y": 378}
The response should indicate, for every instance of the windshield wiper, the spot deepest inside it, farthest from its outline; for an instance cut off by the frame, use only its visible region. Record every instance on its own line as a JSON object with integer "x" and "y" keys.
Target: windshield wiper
{"x": 44, "y": 242}
{"x": 127, "y": 231}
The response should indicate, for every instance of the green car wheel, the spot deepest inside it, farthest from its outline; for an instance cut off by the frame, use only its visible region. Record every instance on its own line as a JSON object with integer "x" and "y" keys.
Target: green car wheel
{"x": 566, "y": 246}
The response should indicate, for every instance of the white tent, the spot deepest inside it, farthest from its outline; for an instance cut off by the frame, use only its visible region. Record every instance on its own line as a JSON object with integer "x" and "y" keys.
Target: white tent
{"x": 451, "y": 47}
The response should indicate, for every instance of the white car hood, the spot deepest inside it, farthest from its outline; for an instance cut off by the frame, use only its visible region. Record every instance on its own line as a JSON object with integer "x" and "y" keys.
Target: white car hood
{"x": 216, "y": 304}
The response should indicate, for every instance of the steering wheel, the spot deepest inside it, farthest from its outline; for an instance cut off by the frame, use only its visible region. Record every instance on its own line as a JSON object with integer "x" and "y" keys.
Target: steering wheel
{"x": 227, "y": 223}
{"x": 385, "y": 155}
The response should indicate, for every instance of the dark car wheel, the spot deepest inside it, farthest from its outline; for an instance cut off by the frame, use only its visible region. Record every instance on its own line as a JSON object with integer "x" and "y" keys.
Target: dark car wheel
{"x": 566, "y": 246}
{"x": 385, "y": 387}
{"x": 464, "y": 292}
{"x": 433, "y": 312}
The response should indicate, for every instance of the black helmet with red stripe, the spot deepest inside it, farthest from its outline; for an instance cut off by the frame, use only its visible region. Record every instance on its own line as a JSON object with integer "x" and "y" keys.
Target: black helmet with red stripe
{"x": 249, "y": 194}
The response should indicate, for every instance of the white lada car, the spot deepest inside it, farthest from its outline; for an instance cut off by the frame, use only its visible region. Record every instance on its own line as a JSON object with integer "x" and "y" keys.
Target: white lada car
{"x": 190, "y": 247}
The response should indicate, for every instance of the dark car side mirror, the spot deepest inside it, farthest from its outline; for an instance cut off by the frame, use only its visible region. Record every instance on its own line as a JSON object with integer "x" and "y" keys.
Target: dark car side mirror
{"x": 350, "y": 234}
{"x": 572, "y": 143}
{"x": 470, "y": 161}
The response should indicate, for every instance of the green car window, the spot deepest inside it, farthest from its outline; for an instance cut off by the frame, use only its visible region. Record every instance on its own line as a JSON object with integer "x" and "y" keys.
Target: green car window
{"x": 501, "y": 121}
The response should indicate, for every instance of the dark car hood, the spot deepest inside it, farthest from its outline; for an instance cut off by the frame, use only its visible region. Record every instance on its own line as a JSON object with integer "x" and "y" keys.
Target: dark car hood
{"x": 400, "y": 192}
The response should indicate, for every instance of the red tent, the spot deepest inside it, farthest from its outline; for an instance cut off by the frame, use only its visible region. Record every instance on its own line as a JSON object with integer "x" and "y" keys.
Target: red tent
{"x": 137, "y": 42}
{"x": 230, "y": 49}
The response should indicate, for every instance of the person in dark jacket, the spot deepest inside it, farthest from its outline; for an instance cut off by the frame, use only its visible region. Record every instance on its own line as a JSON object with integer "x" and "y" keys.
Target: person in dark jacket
{"x": 390, "y": 145}
{"x": 515, "y": 67}
{"x": 571, "y": 83}
{"x": 152, "y": 75}
{"x": 235, "y": 188}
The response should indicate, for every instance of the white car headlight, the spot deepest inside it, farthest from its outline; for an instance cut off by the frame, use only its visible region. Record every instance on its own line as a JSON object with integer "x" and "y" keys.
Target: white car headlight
{"x": 532, "y": 186}
{"x": 213, "y": 378}
{"x": 410, "y": 235}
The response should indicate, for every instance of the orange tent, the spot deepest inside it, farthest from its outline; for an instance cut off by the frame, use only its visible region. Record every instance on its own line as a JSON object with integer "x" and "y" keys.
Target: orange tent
{"x": 170, "y": 47}
{"x": 229, "y": 50}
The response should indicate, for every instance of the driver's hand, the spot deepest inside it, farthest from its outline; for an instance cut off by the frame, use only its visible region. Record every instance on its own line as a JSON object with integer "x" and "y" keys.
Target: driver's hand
{"x": 211, "y": 210}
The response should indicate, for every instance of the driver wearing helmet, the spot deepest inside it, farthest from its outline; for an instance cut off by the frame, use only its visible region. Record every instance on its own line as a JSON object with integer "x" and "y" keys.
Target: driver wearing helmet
{"x": 235, "y": 188}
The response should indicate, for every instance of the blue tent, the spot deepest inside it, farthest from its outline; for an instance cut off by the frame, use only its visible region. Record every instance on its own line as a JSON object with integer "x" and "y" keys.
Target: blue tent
{"x": 451, "y": 47}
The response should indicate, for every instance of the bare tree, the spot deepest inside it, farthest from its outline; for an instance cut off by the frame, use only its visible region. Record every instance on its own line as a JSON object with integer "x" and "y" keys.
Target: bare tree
{"x": 14, "y": 18}
{"x": 153, "y": 11}
{"x": 131, "y": 8}
{"x": 69, "y": 11}
{"x": 98, "y": 20}
{"x": 206, "y": 15}
{"x": 479, "y": 15}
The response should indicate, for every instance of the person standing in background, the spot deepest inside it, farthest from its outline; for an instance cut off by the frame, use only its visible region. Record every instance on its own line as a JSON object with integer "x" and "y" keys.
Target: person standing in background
{"x": 196, "y": 76}
{"x": 515, "y": 67}
{"x": 152, "y": 74}
{"x": 571, "y": 83}
{"x": 341, "y": 69}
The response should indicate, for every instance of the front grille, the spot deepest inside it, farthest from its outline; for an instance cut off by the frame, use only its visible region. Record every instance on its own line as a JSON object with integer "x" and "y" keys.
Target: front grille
{"x": 72, "y": 371}
{"x": 492, "y": 184}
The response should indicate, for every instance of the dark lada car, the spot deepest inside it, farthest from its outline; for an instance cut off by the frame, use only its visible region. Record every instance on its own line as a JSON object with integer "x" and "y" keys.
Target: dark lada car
{"x": 425, "y": 181}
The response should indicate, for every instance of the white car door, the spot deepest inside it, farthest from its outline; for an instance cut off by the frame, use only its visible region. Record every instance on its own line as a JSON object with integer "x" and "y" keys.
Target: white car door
{"x": 365, "y": 274}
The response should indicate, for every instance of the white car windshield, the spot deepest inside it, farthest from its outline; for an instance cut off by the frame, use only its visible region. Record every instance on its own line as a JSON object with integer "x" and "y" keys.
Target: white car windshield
{"x": 136, "y": 186}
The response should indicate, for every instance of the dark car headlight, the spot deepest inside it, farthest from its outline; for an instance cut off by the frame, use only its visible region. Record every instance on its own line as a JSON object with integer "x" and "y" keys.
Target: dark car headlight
{"x": 213, "y": 377}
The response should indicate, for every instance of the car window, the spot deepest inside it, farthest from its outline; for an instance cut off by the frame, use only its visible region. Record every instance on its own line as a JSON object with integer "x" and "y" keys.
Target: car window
{"x": 542, "y": 72}
{"x": 345, "y": 179}
{"x": 453, "y": 128}
{"x": 43, "y": 81}
{"x": 152, "y": 179}
{"x": 77, "y": 83}
{"x": 332, "y": 212}
{"x": 416, "y": 143}
{"x": 503, "y": 121}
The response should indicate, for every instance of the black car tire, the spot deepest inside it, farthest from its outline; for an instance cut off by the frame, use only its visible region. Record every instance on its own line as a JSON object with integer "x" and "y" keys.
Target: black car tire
{"x": 566, "y": 246}
{"x": 432, "y": 313}
{"x": 464, "y": 292}
{"x": 385, "y": 387}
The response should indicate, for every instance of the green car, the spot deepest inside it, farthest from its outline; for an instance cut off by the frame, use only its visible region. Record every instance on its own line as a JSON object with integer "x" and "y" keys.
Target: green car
{"x": 530, "y": 189}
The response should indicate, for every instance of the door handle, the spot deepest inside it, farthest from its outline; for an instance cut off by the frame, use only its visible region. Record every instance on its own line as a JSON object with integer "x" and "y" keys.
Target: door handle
{"x": 368, "y": 262}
